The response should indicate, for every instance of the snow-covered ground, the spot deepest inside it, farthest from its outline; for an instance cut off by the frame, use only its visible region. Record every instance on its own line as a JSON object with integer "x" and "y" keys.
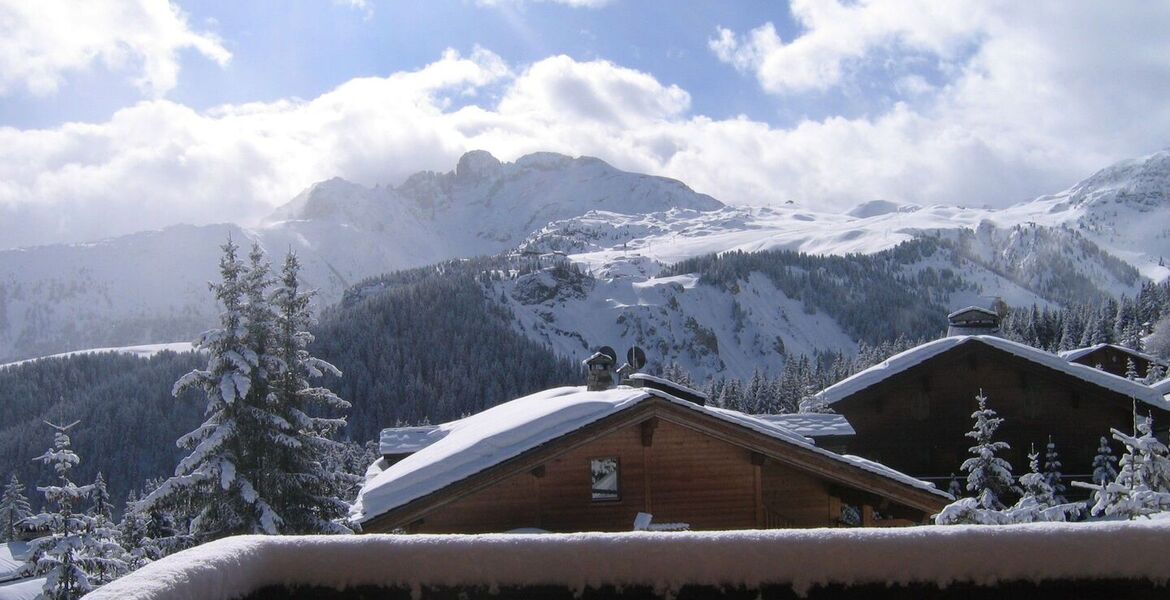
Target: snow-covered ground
{"x": 11, "y": 559}
{"x": 22, "y": 589}
{"x": 666, "y": 562}
{"x": 143, "y": 351}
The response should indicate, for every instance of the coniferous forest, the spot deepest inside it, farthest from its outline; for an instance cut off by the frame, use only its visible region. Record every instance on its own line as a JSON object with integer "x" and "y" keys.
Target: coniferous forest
{"x": 431, "y": 345}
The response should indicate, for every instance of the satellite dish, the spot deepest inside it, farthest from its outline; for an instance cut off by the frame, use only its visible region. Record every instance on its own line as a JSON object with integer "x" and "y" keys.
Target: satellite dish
{"x": 636, "y": 357}
{"x": 608, "y": 351}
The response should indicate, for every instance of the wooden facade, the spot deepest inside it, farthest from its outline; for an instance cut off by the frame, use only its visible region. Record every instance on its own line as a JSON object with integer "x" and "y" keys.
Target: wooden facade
{"x": 679, "y": 465}
{"x": 1113, "y": 359}
{"x": 915, "y": 419}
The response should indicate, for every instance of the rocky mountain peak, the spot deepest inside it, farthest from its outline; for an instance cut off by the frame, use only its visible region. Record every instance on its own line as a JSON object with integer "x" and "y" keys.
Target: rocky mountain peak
{"x": 475, "y": 165}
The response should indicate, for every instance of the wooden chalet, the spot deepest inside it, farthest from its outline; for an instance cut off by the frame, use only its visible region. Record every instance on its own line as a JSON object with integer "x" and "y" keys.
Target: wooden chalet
{"x": 1114, "y": 359}
{"x": 911, "y": 412}
{"x": 568, "y": 460}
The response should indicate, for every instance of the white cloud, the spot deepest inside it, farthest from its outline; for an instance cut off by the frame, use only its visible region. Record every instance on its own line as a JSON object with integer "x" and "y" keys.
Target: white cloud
{"x": 1046, "y": 97}
{"x": 837, "y": 36}
{"x": 42, "y": 41}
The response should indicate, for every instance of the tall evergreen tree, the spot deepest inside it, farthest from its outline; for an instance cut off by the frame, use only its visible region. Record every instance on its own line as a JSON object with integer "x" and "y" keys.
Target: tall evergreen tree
{"x": 1154, "y": 373}
{"x": 216, "y": 482}
{"x": 77, "y": 554}
{"x": 305, "y": 493}
{"x": 1038, "y": 500}
{"x": 989, "y": 477}
{"x": 99, "y": 500}
{"x": 1052, "y": 475}
{"x": 1131, "y": 372}
{"x": 1104, "y": 463}
{"x": 14, "y": 508}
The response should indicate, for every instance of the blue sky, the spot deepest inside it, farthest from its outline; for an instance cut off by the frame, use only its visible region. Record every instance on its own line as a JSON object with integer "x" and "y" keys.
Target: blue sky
{"x": 303, "y": 49}
{"x": 215, "y": 111}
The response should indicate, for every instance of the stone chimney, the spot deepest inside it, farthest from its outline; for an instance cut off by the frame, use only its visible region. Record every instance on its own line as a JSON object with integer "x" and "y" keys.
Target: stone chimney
{"x": 600, "y": 372}
{"x": 973, "y": 321}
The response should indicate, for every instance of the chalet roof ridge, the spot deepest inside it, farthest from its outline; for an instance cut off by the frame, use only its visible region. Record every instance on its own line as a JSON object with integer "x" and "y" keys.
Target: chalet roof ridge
{"x": 667, "y": 382}
{"x": 482, "y": 441}
{"x": 1076, "y": 353}
{"x": 921, "y": 353}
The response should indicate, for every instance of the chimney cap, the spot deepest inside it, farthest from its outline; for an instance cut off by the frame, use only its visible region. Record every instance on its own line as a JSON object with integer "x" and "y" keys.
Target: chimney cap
{"x": 973, "y": 320}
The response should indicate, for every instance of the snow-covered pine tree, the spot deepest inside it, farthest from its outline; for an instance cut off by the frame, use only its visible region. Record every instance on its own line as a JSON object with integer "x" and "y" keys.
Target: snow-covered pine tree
{"x": 1038, "y": 501}
{"x": 1131, "y": 372}
{"x": 989, "y": 478}
{"x": 1142, "y": 486}
{"x": 955, "y": 488}
{"x": 216, "y": 482}
{"x": 132, "y": 535}
{"x": 1052, "y": 475}
{"x": 14, "y": 508}
{"x": 103, "y": 536}
{"x": 75, "y": 556}
{"x": 1104, "y": 463}
{"x": 1154, "y": 373}
{"x": 730, "y": 395}
{"x": 99, "y": 500}
{"x": 305, "y": 493}
{"x": 755, "y": 396}
{"x": 814, "y": 403}
{"x": 163, "y": 534}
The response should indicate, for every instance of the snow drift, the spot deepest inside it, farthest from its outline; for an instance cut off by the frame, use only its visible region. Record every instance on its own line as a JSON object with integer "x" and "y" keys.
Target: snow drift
{"x": 665, "y": 562}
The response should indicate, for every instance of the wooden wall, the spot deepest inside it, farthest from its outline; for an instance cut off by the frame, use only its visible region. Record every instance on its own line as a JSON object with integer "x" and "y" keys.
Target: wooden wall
{"x": 915, "y": 421}
{"x": 683, "y": 476}
{"x": 1112, "y": 360}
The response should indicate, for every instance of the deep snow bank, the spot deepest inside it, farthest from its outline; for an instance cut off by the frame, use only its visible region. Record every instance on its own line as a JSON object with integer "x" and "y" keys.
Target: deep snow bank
{"x": 804, "y": 559}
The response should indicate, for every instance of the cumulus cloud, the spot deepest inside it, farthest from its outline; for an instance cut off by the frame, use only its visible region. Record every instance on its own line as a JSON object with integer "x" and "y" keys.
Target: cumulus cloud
{"x": 1047, "y": 96}
{"x": 838, "y": 36}
{"x": 42, "y": 41}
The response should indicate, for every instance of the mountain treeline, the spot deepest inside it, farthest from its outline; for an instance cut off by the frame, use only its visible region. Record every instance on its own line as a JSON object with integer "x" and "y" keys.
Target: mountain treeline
{"x": 129, "y": 420}
{"x": 428, "y": 344}
{"x": 420, "y": 345}
{"x": 1134, "y": 322}
{"x": 873, "y": 296}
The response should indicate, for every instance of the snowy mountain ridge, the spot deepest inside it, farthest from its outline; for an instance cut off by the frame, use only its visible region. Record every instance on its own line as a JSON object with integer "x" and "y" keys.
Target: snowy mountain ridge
{"x": 622, "y": 228}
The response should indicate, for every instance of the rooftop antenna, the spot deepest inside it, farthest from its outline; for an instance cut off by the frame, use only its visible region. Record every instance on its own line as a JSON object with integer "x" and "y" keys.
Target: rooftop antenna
{"x": 636, "y": 357}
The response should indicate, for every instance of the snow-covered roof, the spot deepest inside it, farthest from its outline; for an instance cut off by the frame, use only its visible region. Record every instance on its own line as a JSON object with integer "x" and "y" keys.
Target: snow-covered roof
{"x": 1071, "y": 355}
{"x": 1162, "y": 387}
{"x": 805, "y": 560}
{"x": 812, "y": 425}
{"x": 478, "y": 442}
{"x": 11, "y": 559}
{"x": 22, "y": 589}
{"x": 973, "y": 309}
{"x": 405, "y": 440}
{"x": 666, "y": 383}
{"x": 919, "y": 354}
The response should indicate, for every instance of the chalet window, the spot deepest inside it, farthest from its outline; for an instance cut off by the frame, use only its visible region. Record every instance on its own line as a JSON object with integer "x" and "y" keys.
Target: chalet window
{"x": 604, "y": 474}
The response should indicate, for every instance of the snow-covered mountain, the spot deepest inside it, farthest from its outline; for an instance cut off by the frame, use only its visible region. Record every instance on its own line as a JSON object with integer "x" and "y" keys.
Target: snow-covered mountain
{"x": 152, "y": 286}
{"x": 621, "y": 228}
{"x": 1124, "y": 208}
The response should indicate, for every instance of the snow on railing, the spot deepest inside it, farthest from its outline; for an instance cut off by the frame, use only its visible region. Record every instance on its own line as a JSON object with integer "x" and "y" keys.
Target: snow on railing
{"x": 1132, "y": 553}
